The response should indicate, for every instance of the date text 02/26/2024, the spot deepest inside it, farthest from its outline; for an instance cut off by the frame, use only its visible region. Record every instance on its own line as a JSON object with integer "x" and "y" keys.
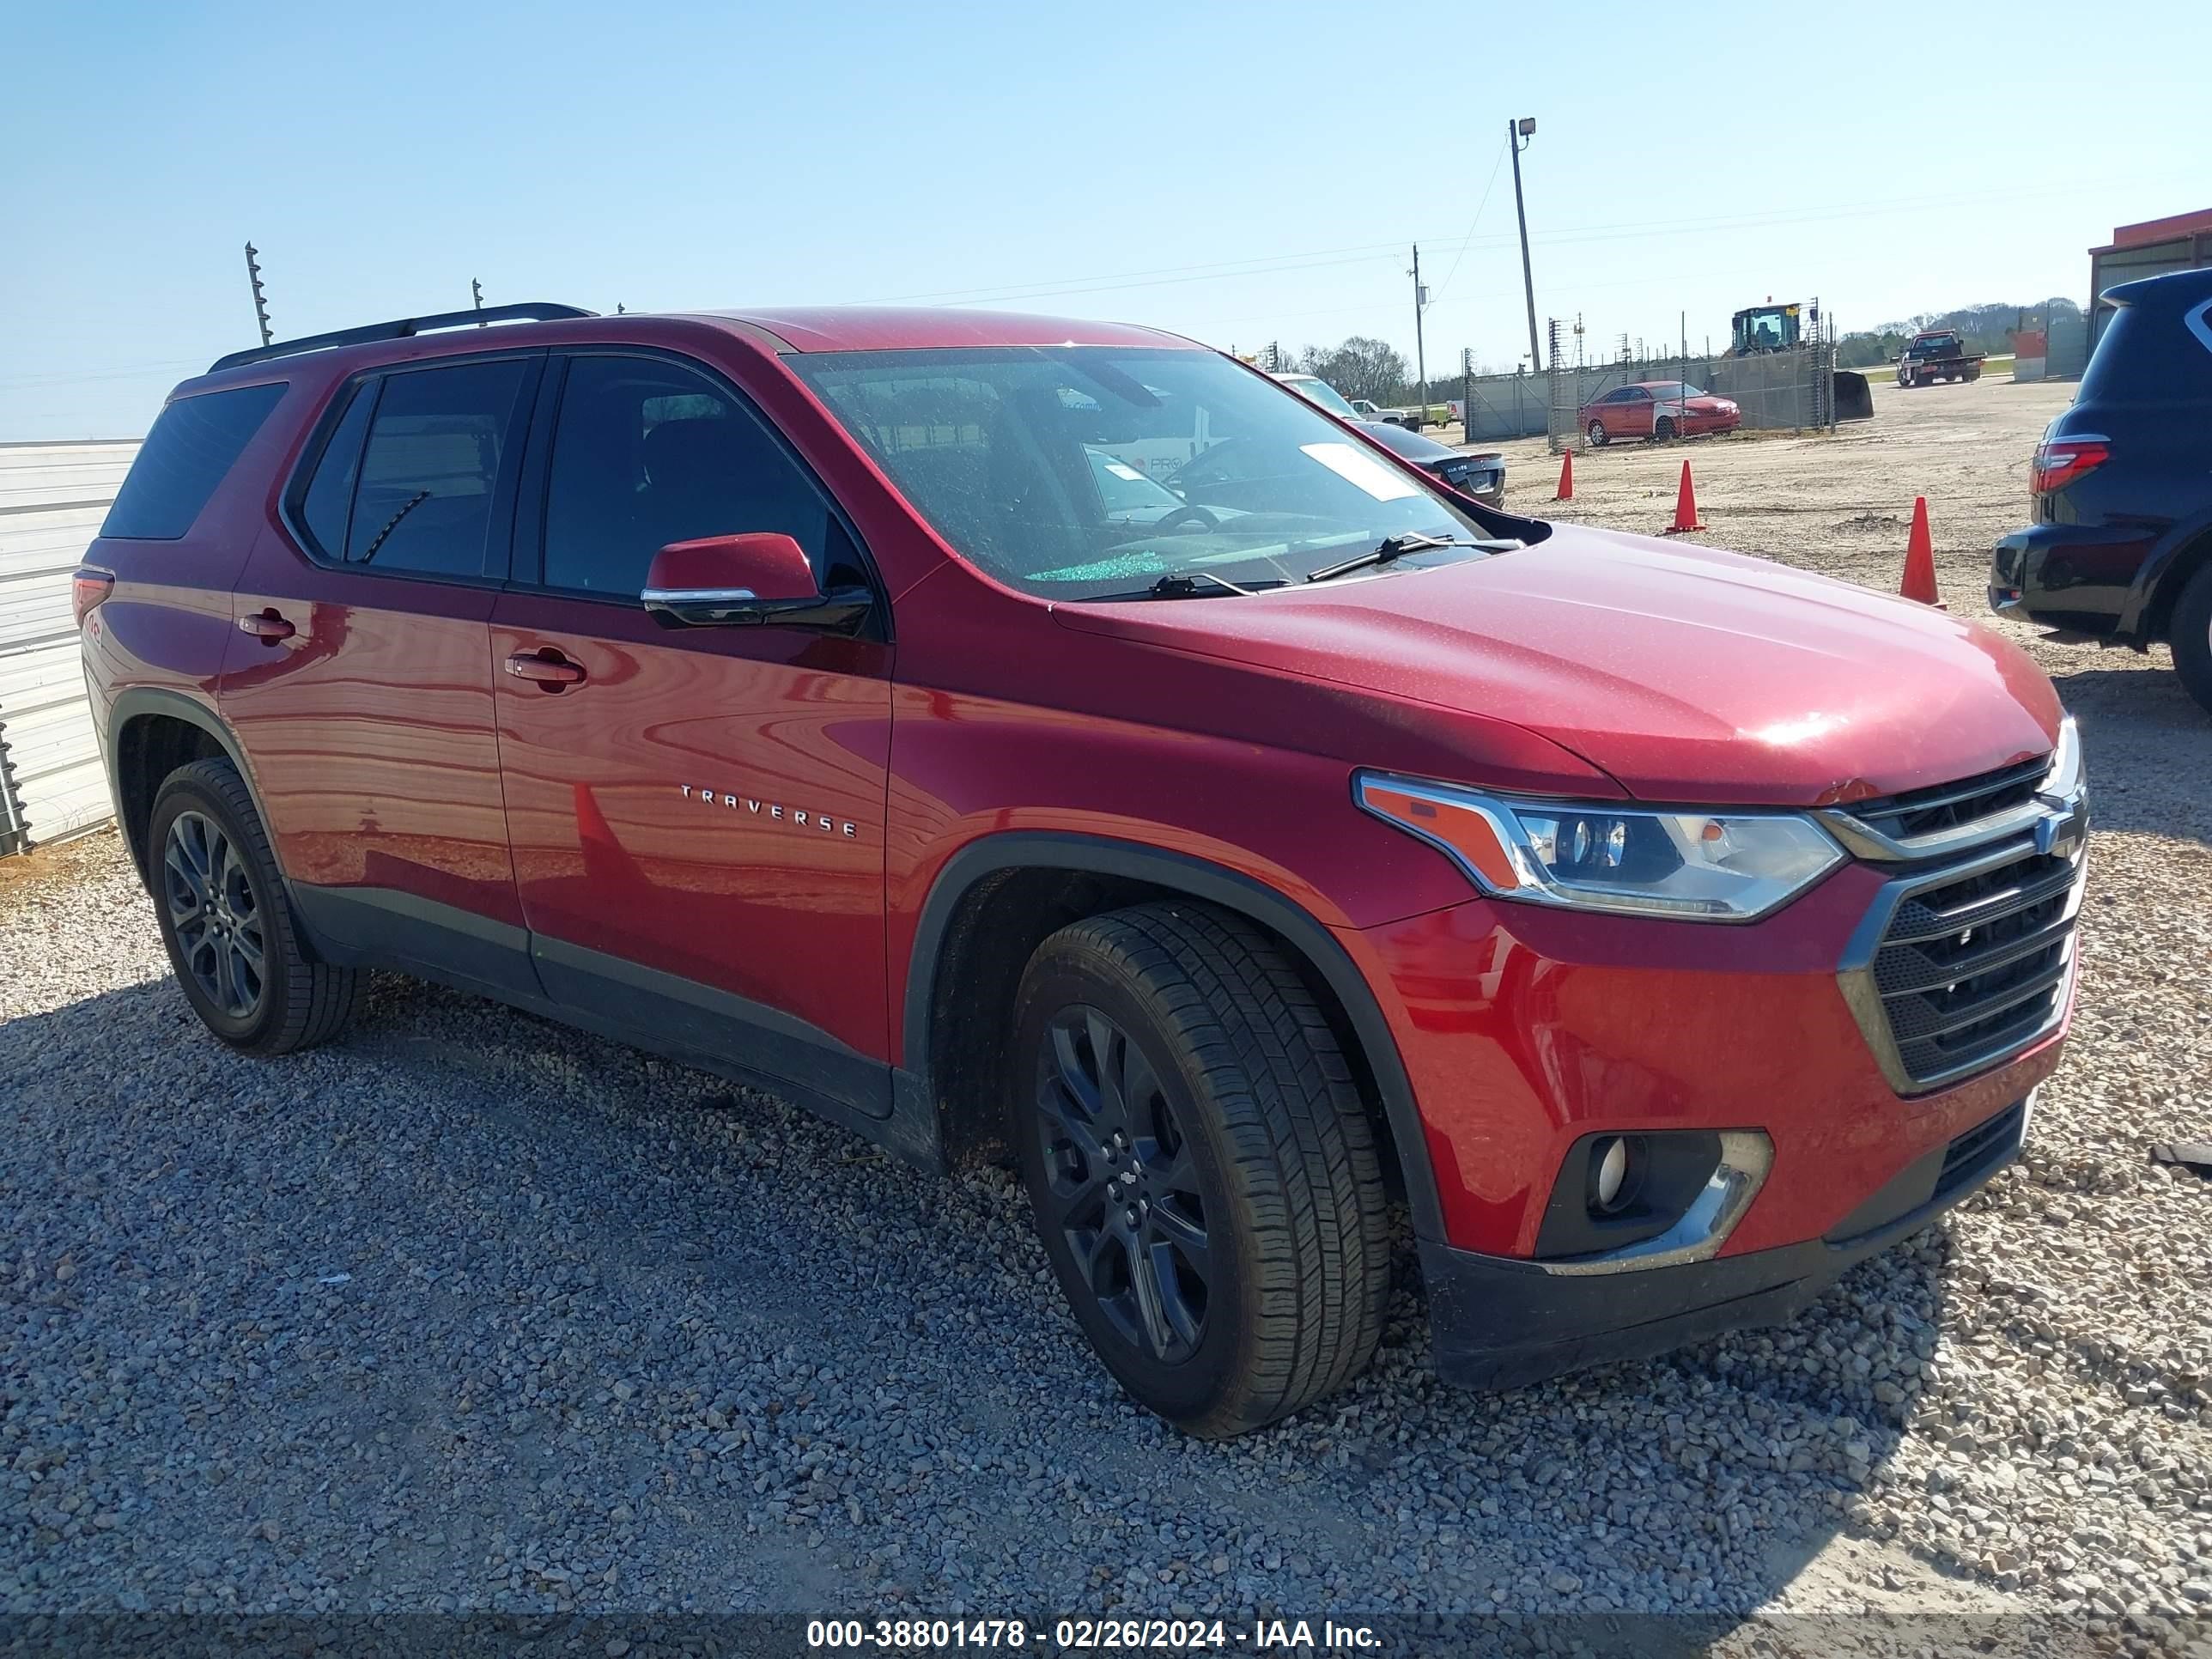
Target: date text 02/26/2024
{"x": 1109, "y": 1635}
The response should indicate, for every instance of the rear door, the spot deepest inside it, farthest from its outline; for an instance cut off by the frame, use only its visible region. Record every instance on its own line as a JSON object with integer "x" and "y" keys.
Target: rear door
{"x": 698, "y": 821}
{"x": 360, "y": 682}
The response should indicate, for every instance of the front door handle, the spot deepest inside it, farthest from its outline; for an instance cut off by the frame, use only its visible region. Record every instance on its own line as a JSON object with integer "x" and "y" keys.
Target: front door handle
{"x": 546, "y": 667}
{"x": 266, "y": 626}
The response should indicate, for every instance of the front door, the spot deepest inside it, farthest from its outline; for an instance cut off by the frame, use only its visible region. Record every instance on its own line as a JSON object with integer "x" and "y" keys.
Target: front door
{"x": 696, "y": 814}
{"x": 359, "y": 683}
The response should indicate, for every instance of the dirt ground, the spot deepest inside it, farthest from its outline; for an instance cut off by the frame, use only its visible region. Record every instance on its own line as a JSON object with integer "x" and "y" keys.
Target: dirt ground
{"x": 1839, "y": 504}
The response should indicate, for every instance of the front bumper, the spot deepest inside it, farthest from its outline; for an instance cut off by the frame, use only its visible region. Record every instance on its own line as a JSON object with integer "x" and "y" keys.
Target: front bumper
{"x": 1498, "y": 1322}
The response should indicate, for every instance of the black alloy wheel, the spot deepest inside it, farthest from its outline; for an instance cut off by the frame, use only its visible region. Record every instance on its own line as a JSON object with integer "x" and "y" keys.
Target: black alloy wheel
{"x": 1201, "y": 1163}
{"x": 227, "y": 920}
{"x": 216, "y": 914}
{"x": 1123, "y": 1183}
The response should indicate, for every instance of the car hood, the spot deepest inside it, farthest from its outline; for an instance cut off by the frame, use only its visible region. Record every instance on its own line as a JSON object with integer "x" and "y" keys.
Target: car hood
{"x": 1687, "y": 673}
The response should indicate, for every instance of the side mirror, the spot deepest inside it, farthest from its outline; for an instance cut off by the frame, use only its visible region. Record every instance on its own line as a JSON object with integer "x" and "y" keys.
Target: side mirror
{"x": 735, "y": 581}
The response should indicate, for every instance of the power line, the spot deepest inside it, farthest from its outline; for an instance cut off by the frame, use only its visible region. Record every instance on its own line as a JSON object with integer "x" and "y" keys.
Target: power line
{"x": 1320, "y": 258}
{"x": 1472, "y": 224}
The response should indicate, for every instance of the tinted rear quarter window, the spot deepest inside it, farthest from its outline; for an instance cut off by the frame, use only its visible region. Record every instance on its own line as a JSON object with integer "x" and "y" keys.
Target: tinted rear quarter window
{"x": 2149, "y": 354}
{"x": 194, "y": 443}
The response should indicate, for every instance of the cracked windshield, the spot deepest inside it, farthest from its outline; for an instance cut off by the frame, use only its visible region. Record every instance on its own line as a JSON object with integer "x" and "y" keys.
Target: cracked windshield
{"x": 1091, "y": 472}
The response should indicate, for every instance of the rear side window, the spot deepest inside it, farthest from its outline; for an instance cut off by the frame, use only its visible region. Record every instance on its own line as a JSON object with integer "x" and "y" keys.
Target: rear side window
{"x": 194, "y": 443}
{"x": 412, "y": 476}
{"x": 2149, "y": 354}
{"x": 430, "y": 470}
{"x": 326, "y": 508}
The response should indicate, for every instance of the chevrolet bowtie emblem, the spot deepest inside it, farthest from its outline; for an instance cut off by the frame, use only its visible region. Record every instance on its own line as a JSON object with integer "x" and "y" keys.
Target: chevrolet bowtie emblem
{"x": 2062, "y": 832}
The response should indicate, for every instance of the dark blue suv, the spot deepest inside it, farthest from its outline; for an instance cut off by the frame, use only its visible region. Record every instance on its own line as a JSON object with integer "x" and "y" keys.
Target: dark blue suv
{"x": 2121, "y": 547}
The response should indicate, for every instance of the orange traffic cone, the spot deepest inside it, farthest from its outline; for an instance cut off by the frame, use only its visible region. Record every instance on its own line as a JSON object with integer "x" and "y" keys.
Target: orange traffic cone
{"x": 1920, "y": 581}
{"x": 1567, "y": 478}
{"x": 1686, "y": 507}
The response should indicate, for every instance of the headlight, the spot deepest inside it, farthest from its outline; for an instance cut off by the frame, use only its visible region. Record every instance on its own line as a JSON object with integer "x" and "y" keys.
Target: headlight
{"x": 2064, "y": 775}
{"x": 1694, "y": 866}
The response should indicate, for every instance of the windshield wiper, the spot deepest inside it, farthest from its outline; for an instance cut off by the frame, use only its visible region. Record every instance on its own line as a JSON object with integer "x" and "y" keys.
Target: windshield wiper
{"x": 1182, "y": 585}
{"x": 1393, "y": 547}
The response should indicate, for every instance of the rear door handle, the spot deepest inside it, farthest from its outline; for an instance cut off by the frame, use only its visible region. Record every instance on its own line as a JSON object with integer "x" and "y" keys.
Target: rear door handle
{"x": 546, "y": 667}
{"x": 266, "y": 626}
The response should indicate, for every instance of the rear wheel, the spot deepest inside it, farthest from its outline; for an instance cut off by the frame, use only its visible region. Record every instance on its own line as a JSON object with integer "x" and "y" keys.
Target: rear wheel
{"x": 226, "y": 922}
{"x": 1204, "y": 1176}
{"x": 1597, "y": 435}
{"x": 2191, "y": 634}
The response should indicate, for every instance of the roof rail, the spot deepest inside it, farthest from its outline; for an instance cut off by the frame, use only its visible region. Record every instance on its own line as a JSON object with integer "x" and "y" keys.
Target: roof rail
{"x": 401, "y": 328}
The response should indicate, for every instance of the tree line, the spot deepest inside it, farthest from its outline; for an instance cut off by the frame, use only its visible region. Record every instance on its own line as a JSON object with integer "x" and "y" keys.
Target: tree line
{"x": 1987, "y": 329}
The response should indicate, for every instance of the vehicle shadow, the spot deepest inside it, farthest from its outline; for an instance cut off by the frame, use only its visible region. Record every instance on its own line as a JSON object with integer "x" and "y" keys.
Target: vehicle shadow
{"x": 2147, "y": 747}
{"x": 419, "y": 1262}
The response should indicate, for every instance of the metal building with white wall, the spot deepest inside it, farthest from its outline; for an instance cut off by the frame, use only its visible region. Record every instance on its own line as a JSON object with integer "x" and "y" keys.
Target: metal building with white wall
{"x": 53, "y": 498}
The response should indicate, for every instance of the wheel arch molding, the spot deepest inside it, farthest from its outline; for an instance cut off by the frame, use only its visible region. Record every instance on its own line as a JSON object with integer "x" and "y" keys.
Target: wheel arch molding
{"x": 991, "y": 859}
{"x": 140, "y": 703}
{"x": 2170, "y": 567}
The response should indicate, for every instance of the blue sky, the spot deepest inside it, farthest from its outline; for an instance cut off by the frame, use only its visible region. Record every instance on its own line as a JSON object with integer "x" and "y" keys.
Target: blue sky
{"x": 1239, "y": 173}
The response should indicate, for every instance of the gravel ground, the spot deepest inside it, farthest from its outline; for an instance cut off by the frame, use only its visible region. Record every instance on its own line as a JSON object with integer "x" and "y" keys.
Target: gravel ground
{"x": 473, "y": 1312}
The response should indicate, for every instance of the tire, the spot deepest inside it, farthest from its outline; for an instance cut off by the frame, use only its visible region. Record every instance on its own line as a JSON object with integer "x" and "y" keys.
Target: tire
{"x": 2190, "y": 632}
{"x": 1186, "y": 1032}
{"x": 221, "y": 908}
{"x": 1904, "y": 380}
{"x": 1597, "y": 435}
{"x": 1662, "y": 429}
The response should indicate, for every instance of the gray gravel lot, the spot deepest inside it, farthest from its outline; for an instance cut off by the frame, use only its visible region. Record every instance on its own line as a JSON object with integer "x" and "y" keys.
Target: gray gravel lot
{"x": 470, "y": 1312}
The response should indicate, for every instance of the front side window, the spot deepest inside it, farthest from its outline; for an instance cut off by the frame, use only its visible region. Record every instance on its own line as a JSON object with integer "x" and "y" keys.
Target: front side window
{"x": 193, "y": 443}
{"x": 1021, "y": 458}
{"x": 411, "y": 478}
{"x": 646, "y": 453}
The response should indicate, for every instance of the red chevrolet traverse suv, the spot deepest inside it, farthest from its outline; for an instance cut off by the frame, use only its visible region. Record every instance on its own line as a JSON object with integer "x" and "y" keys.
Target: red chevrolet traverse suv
{"x": 1015, "y": 734}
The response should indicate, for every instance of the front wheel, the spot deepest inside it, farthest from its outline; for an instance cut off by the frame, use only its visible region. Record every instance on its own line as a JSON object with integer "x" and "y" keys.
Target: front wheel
{"x": 227, "y": 924}
{"x": 1597, "y": 435}
{"x": 1203, "y": 1173}
{"x": 2190, "y": 633}
{"x": 1662, "y": 429}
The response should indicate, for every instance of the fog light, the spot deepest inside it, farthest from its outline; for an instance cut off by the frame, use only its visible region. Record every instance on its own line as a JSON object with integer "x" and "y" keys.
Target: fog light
{"x": 1609, "y": 1172}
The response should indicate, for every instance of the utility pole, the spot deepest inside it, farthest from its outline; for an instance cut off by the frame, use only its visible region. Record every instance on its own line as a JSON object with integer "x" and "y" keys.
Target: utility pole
{"x": 1517, "y": 134}
{"x": 1420, "y": 353}
{"x": 260, "y": 301}
{"x": 476, "y": 295}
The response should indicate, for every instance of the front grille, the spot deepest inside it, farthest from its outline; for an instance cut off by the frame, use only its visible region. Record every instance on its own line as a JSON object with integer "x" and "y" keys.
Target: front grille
{"x": 1981, "y": 1149}
{"x": 1949, "y": 805}
{"x": 1971, "y": 969}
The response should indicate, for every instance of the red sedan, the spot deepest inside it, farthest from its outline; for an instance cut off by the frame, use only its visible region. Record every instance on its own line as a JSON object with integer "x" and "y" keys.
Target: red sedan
{"x": 1656, "y": 408}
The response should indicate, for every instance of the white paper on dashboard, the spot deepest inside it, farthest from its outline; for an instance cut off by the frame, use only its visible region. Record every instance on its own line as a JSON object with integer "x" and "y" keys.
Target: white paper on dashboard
{"x": 1365, "y": 471}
